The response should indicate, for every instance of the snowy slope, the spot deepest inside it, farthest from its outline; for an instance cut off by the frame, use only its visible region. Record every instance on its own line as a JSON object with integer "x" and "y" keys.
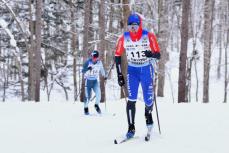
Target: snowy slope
{"x": 62, "y": 128}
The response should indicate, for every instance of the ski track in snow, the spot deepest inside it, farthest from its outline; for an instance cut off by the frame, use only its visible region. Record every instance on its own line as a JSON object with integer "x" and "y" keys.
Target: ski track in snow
{"x": 62, "y": 128}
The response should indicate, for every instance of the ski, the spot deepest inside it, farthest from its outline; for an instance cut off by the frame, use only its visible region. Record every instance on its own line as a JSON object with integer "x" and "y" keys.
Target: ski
{"x": 119, "y": 141}
{"x": 101, "y": 114}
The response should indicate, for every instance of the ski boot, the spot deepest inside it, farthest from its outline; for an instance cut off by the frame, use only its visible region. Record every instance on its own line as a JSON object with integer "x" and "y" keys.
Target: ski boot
{"x": 97, "y": 109}
{"x": 86, "y": 111}
{"x": 131, "y": 131}
{"x": 149, "y": 122}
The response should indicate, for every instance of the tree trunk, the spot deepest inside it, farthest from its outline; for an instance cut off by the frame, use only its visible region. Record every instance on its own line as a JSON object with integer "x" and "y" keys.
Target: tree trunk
{"x": 21, "y": 78}
{"x": 163, "y": 42}
{"x": 110, "y": 46}
{"x": 31, "y": 85}
{"x": 4, "y": 83}
{"x": 126, "y": 13}
{"x": 220, "y": 52}
{"x": 85, "y": 41}
{"x": 74, "y": 53}
{"x": 37, "y": 65}
{"x": 226, "y": 70}
{"x": 102, "y": 44}
{"x": 208, "y": 20}
{"x": 183, "y": 52}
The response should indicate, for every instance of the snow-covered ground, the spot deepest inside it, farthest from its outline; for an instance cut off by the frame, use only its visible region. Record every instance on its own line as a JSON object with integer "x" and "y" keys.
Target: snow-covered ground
{"x": 50, "y": 127}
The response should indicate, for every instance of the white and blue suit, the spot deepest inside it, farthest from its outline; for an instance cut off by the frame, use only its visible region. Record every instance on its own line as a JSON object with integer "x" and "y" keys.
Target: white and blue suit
{"x": 92, "y": 80}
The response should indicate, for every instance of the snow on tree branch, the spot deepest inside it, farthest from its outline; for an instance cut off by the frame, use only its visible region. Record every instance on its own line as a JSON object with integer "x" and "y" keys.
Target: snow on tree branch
{"x": 22, "y": 26}
{"x": 13, "y": 43}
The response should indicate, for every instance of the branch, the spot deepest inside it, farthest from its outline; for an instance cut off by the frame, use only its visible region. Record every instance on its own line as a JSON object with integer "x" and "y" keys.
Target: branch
{"x": 27, "y": 33}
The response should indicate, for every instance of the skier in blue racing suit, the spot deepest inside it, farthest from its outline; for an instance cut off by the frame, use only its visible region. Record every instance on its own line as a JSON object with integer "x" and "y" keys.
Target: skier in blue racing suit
{"x": 92, "y": 69}
{"x": 140, "y": 47}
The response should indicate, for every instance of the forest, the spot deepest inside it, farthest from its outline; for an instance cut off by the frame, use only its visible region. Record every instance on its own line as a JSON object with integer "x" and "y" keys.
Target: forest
{"x": 44, "y": 43}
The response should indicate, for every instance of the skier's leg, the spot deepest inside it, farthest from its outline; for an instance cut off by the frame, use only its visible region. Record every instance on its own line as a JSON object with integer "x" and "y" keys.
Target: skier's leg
{"x": 148, "y": 115}
{"x": 132, "y": 86}
{"x": 149, "y": 121}
{"x": 147, "y": 87}
{"x": 96, "y": 88}
{"x": 130, "y": 111}
{"x": 87, "y": 96}
{"x": 133, "y": 81}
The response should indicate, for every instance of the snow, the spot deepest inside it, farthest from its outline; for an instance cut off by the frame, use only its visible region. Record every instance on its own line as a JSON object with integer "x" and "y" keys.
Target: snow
{"x": 13, "y": 42}
{"x": 51, "y": 127}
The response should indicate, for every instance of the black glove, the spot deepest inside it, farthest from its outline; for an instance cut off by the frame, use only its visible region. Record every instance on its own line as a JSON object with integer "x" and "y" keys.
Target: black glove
{"x": 121, "y": 80}
{"x": 105, "y": 78}
{"x": 149, "y": 53}
{"x": 157, "y": 55}
{"x": 89, "y": 68}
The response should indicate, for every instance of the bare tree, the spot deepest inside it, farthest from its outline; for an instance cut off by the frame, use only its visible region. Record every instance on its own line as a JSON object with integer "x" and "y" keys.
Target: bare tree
{"x": 195, "y": 29}
{"x": 220, "y": 50}
{"x": 163, "y": 42}
{"x": 31, "y": 85}
{"x": 208, "y": 20}
{"x": 16, "y": 53}
{"x": 85, "y": 41}
{"x": 183, "y": 52}
{"x": 226, "y": 75}
{"x": 74, "y": 53}
{"x": 126, "y": 13}
{"x": 102, "y": 44}
{"x": 37, "y": 54}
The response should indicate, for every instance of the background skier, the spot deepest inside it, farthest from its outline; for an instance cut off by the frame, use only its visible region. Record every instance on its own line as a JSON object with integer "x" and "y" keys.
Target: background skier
{"x": 92, "y": 69}
{"x": 140, "y": 46}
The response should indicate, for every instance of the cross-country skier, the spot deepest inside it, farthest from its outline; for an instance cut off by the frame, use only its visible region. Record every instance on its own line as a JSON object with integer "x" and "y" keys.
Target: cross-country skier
{"x": 140, "y": 46}
{"x": 92, "y": 69}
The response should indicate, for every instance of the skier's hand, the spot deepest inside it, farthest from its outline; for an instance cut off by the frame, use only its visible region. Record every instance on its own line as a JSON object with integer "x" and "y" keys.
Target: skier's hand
{"x": 121, "y": 80}
{"x": 149, "y": 53}
{"x": 89, "y": 68}
{"x": 157, "y": 55}
{"x": 105, "y": 78}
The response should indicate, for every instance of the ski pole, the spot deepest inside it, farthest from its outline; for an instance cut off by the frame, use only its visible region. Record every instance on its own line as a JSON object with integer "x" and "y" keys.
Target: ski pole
{"x": 124, "y": 93}
{"x": 158, "y": 122}
{"x": 155, "y": 99}
{"x": 111, "y": 67}
{"x": 108, "y": 74}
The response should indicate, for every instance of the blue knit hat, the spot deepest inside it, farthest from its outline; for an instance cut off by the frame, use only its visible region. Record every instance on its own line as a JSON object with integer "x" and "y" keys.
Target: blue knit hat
{"x": 133, "y": 18}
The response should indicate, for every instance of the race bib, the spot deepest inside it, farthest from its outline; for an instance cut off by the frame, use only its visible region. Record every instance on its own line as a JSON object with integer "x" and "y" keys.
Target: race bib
{"x": 94, "y": 72}
{"x": 135, "y": 50}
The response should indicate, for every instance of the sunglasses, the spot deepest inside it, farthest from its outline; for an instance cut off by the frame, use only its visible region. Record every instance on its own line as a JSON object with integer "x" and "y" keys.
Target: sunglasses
{"x": 132, "y": 27}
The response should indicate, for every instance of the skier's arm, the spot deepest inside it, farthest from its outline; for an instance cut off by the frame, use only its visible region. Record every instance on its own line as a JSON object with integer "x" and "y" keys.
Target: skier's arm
{"x": 118, "y": 54}
{"x": 118, "y": 64}
{"x": 120, "y": 46}
{"x": 85, "y": 67}
{"x": 155, "y": 50}
{"x": 153, "y": 43}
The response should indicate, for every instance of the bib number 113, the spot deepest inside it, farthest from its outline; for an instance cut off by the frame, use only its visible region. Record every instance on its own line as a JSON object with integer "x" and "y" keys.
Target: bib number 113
{"x": 138, "y": 54}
